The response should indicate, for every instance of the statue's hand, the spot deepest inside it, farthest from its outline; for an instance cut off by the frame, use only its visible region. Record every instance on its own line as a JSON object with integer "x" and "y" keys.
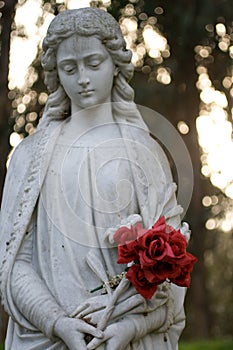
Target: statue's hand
{"x": 72, "y": 332}
{"x": 116, "y": 336}
{"x": 185, "y": 230}
{"x": 90, "y": 306}
{"x": 93, "y": 308}
{"x": 130, "y": 302}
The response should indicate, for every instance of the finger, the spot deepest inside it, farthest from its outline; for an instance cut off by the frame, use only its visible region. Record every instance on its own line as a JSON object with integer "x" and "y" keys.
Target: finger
{"x": 94, "y": 317}
{"x": 93, "y": 304}
{"x": 76, "y": 344}
{"x": 115, "y": 343}
{"x": 135, "y": 305}
{"x": 79, "y": 309}
{"x": 95, "y": 343}
{"x": 108, "y": 235}
{"x": 161, "y": 295}
{"x": 128, "y": 293}
{"x": 84, "y": 327}
{"x": 90, "y": 310}
{"x": 83, "y": 313}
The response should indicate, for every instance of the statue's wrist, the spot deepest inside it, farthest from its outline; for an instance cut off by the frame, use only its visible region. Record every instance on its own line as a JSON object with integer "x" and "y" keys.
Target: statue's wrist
{"x": 128, "y": 325}
{"x": 150, "y": 322}
{"x": 58, "y": 327}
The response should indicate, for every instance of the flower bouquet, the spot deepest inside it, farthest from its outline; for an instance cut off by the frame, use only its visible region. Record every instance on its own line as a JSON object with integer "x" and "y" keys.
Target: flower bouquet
{"x": 158, "y": 254}
{"x": 153, "y": 256}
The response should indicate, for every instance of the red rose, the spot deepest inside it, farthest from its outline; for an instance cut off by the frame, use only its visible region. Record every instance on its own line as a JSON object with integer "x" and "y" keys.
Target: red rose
{"x": 136, "y": 276}
{"x": 160, "y": 225}
{"x": 160, "y": 272}
{"x": 159, "y": 254}
{"x": 127, "y": 243}
{"x": 183, "y": 278}
{"x": 154, "y": 245}
{"x": 178, "y": 244}
{"x": 127, "y": 252}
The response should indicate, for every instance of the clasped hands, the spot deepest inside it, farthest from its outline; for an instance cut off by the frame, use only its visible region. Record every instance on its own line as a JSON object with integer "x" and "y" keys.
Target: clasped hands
{"x": 115, "y": 337}
{"x": 121, "y": 330}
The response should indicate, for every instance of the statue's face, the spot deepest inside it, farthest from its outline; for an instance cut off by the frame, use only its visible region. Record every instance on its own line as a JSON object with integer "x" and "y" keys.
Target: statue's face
{"x": 86, "y": 71}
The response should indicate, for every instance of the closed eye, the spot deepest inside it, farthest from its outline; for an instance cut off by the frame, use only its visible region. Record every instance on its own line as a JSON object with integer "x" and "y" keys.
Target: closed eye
{"x": 94, "y": 64}
{"x": 69, "y": 69}
{"x": 95, "y": 60}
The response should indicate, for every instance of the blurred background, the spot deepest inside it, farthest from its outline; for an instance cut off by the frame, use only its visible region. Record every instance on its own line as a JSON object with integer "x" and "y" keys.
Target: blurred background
{"x": 183, "y": 58}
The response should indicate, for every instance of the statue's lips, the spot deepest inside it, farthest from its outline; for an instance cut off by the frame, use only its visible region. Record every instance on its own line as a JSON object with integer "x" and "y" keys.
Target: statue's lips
{"x": 86, "y": 92}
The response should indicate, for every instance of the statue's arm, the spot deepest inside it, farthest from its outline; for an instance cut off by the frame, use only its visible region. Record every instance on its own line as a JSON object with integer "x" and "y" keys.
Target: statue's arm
{"x": 166, "y": 319}
{"x": 39, "y": 307}
{"x": 29, "y": 292}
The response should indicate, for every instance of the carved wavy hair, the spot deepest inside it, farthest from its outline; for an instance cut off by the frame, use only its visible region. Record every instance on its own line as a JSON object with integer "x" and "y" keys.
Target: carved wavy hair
{"x": 85, "y": 22}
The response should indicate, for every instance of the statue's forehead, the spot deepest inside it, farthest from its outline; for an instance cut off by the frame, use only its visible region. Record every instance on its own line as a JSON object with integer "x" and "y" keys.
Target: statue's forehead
{"x": 77, "y": 46}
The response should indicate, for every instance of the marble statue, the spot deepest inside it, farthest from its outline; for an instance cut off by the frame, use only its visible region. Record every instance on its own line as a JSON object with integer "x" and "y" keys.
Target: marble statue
{"x": 90, "y": 168}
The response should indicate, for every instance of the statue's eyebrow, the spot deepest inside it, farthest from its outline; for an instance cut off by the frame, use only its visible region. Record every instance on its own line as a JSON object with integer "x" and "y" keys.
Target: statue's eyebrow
{"x": 95, "y": 54}
{"x": 88, "y": 56}
{"x": 67, "y": 60}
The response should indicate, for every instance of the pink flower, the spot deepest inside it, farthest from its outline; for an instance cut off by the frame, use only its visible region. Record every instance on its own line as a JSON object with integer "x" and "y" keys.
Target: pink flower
{"x": 127, "y": 243}
{"x": 125, "y": 234}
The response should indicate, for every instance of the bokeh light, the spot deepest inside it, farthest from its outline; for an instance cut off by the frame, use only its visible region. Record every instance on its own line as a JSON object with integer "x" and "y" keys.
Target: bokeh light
{"x": 214, "y": 128}
{"x": 183, "y": 127}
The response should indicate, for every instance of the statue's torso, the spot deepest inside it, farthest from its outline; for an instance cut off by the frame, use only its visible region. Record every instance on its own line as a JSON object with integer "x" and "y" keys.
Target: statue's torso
{"x": 87, "y": 189}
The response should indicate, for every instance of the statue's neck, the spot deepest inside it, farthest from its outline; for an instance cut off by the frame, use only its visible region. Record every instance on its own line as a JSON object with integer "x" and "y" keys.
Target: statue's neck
{"x": 93, "y": 116}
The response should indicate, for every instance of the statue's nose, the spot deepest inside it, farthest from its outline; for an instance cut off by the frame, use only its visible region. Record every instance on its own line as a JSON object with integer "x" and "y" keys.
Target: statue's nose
{"x": 83, "y": 78}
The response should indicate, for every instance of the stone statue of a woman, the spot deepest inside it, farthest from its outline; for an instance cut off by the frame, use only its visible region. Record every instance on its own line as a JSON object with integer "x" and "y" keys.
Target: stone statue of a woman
{"x": 90, "y": 167}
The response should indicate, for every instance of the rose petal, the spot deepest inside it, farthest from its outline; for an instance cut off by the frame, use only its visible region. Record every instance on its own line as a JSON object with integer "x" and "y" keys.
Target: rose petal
{"x": 136, "y": 276}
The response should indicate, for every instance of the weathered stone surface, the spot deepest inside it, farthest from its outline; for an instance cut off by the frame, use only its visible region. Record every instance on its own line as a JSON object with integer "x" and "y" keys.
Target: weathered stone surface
{"x": 89, "y": 168}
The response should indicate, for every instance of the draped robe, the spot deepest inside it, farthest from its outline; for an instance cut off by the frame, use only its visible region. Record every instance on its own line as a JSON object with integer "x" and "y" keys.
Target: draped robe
{"x": 31, "y": 192}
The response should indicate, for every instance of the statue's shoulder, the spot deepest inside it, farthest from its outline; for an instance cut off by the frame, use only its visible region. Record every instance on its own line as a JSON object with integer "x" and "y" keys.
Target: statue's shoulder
{"x": 24, "y": 151}
{"x": 25, "y": 147}
{"x": 28, "y": 141}
{"x": 33, "y": 147}
{"x": 18, "y": 166}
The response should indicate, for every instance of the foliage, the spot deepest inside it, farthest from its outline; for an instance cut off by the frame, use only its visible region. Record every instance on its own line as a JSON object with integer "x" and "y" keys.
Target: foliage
{"x": 207, "y": 345}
